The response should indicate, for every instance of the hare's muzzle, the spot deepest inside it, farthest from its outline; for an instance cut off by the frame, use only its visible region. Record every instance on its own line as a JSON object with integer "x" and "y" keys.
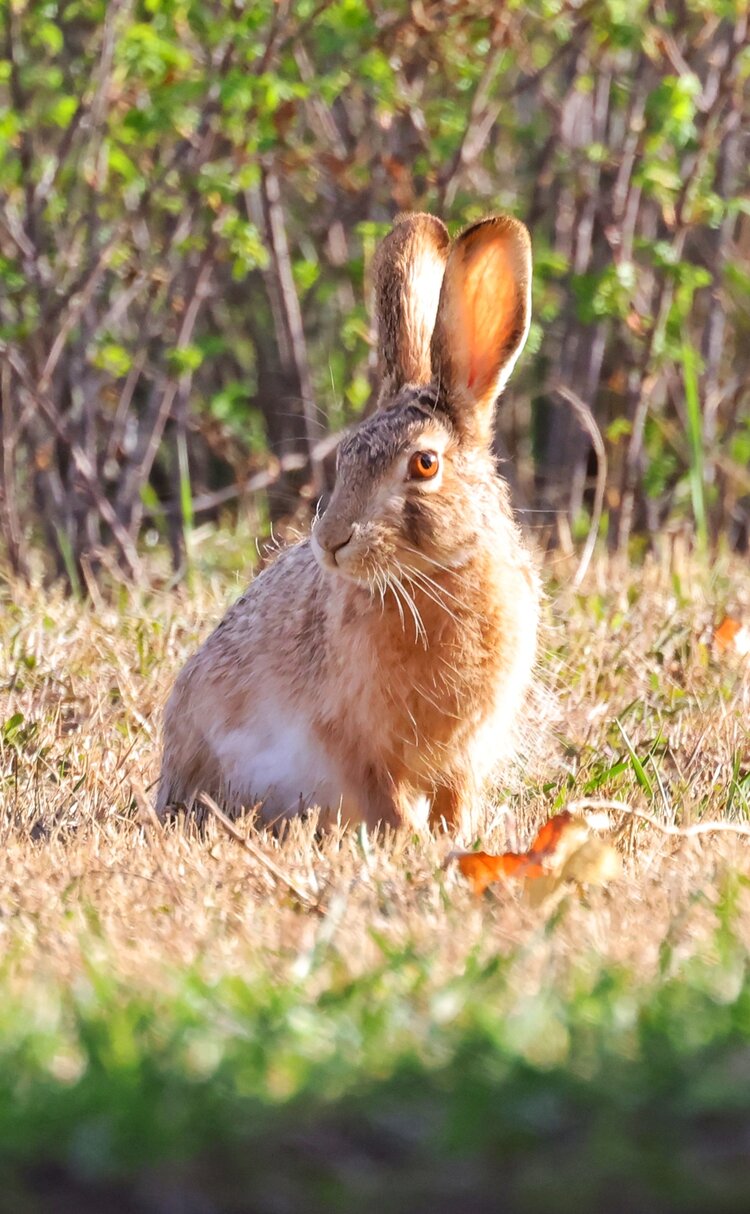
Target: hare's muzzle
{"x": 329, "y": 542}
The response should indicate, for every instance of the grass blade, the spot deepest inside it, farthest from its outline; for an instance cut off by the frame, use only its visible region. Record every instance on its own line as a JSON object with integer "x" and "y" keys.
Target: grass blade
{"x": 689, "y": 360}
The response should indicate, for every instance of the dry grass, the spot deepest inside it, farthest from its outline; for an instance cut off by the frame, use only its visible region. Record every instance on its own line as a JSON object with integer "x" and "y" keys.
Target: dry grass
{"x": 178, "y": 1031}
{"x": 83, "y": 870}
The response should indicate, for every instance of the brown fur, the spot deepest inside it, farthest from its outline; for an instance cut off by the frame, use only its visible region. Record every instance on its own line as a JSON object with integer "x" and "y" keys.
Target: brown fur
{"x": 388, "y": 656}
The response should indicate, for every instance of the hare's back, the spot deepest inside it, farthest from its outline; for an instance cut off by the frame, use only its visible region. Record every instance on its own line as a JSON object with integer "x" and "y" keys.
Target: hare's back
{"x": 258, "y": 652}
{"x": 274, "y": 608}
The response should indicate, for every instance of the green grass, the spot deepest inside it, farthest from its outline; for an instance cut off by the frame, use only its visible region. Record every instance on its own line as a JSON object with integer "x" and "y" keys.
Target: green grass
{"x": 696, "y": 473}
{"x": 600, "y": 1092}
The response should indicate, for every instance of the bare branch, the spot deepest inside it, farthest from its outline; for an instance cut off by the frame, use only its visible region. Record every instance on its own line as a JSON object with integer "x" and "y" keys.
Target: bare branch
{"x": 140, "y": 470}
{"x": 290, "y": 311}
{"x": 265, "y": 479}
{"x": 81, "y": 460}
{"x": 8, "y": 504}
{"x": 481, "y": 119}
{"x": 588, "y": 421}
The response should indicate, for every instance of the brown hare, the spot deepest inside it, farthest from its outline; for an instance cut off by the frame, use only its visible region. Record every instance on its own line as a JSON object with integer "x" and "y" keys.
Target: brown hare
{"x": 378, "y": 668}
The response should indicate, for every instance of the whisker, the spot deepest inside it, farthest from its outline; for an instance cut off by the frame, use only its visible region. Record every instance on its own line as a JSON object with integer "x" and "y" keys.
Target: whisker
{"x": 412, "y": 718}
{"x": 390, "y": 586}
{"x": 421, "y": 573}
{"x": 430, "y": 560}
{"x": 381, "y": 586}
{"x": 441, "y": 708}
{"x": 435, "y": 597}
{"x": 442, "y": 590}
{"x": 421, "y": 633}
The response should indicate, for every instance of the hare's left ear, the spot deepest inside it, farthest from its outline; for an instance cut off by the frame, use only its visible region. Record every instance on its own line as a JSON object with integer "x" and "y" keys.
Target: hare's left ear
{"x": 408, "y": 273}
{"x": 482, "y": 321}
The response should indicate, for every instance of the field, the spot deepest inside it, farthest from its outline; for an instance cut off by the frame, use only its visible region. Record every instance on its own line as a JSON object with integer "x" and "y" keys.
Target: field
{"x": 180, "y": 1032}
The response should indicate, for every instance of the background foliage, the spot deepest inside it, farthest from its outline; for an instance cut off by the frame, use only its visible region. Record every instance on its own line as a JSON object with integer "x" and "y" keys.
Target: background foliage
{"x": 190, "y": 195}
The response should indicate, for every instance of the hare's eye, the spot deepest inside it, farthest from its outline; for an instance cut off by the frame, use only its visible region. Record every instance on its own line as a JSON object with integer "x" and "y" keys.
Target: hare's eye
{"x": 423, "y": 465}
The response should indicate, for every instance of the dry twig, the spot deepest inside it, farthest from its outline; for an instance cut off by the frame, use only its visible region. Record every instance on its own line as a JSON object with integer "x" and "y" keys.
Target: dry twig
{"x": 679, "y": 832}
{"x": 262, "y": 859}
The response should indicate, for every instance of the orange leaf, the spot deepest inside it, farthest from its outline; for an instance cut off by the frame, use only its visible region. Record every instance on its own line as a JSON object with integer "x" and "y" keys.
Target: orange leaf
{"x": 726, "y": 632}
{"x": 563, "y": 850}
{"x": 732, "y": 634}
{"x": 481, "y": 868}
{"x": 548, "y": 838}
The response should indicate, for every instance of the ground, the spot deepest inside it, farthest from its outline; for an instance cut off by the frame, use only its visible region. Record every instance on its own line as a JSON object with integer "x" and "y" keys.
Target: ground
{"x": 179, "y": 1031}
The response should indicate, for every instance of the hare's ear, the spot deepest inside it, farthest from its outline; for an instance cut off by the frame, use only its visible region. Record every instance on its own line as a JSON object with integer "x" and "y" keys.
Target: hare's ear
{"x": 482, "y": 321}
{"x": 408, "y": 273}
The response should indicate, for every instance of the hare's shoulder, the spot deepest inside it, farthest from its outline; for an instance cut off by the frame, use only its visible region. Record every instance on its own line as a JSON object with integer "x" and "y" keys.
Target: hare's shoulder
{"x": 276, "y": 596}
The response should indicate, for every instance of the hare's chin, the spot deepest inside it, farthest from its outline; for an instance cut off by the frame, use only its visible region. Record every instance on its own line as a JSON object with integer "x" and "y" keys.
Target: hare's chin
{"x": 348, "y": 573}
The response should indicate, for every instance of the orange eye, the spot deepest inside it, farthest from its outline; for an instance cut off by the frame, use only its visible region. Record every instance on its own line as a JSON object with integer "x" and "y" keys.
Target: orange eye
{"x": 423, "y": 465}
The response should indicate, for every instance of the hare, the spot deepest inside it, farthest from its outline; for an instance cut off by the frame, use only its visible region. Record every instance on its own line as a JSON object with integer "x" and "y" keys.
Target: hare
{"x": 377, "y": 669}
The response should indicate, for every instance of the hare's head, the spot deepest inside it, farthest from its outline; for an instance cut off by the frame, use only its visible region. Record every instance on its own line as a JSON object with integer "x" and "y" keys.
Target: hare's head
{"x": 416, "y": 483}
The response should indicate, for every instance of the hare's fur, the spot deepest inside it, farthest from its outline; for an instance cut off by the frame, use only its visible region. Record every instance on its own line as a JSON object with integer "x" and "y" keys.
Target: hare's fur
{"x": 377, "y": 669}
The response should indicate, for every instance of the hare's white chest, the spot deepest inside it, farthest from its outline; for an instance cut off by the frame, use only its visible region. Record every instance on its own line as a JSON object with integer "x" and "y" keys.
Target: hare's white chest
{"x": 275, "y": 758}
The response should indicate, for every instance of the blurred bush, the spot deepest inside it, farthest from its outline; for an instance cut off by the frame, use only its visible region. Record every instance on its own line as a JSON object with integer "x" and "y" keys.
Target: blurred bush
{"x": 190, "y": 196}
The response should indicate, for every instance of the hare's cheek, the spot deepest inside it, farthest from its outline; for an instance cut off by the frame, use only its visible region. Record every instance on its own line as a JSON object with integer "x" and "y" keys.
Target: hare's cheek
{"x": 418, "y": 521}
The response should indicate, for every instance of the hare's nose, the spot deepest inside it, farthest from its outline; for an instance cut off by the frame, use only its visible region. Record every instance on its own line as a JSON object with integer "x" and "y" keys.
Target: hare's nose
{"x": 336, "y": 543}
{"x": 331, "y": 538}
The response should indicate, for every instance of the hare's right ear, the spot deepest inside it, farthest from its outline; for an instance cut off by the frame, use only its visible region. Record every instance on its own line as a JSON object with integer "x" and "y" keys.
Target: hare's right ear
{"x": 482, "y": 321}
{"x": 408, "y": 272}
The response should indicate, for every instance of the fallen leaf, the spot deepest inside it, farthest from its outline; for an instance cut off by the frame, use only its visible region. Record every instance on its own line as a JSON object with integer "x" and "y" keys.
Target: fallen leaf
{"x": 732, "y": 634}
{"x": 596, "y": 862}
{"x": 560, "y": 836}
{"x": 565, "y": 849}
{"x": 482, "y": 869}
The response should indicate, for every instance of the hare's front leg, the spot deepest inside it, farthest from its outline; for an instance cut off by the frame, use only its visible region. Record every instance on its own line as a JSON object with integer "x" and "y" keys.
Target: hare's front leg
{"x": 386, "y": 801}
{"x": 454, "y": 801}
